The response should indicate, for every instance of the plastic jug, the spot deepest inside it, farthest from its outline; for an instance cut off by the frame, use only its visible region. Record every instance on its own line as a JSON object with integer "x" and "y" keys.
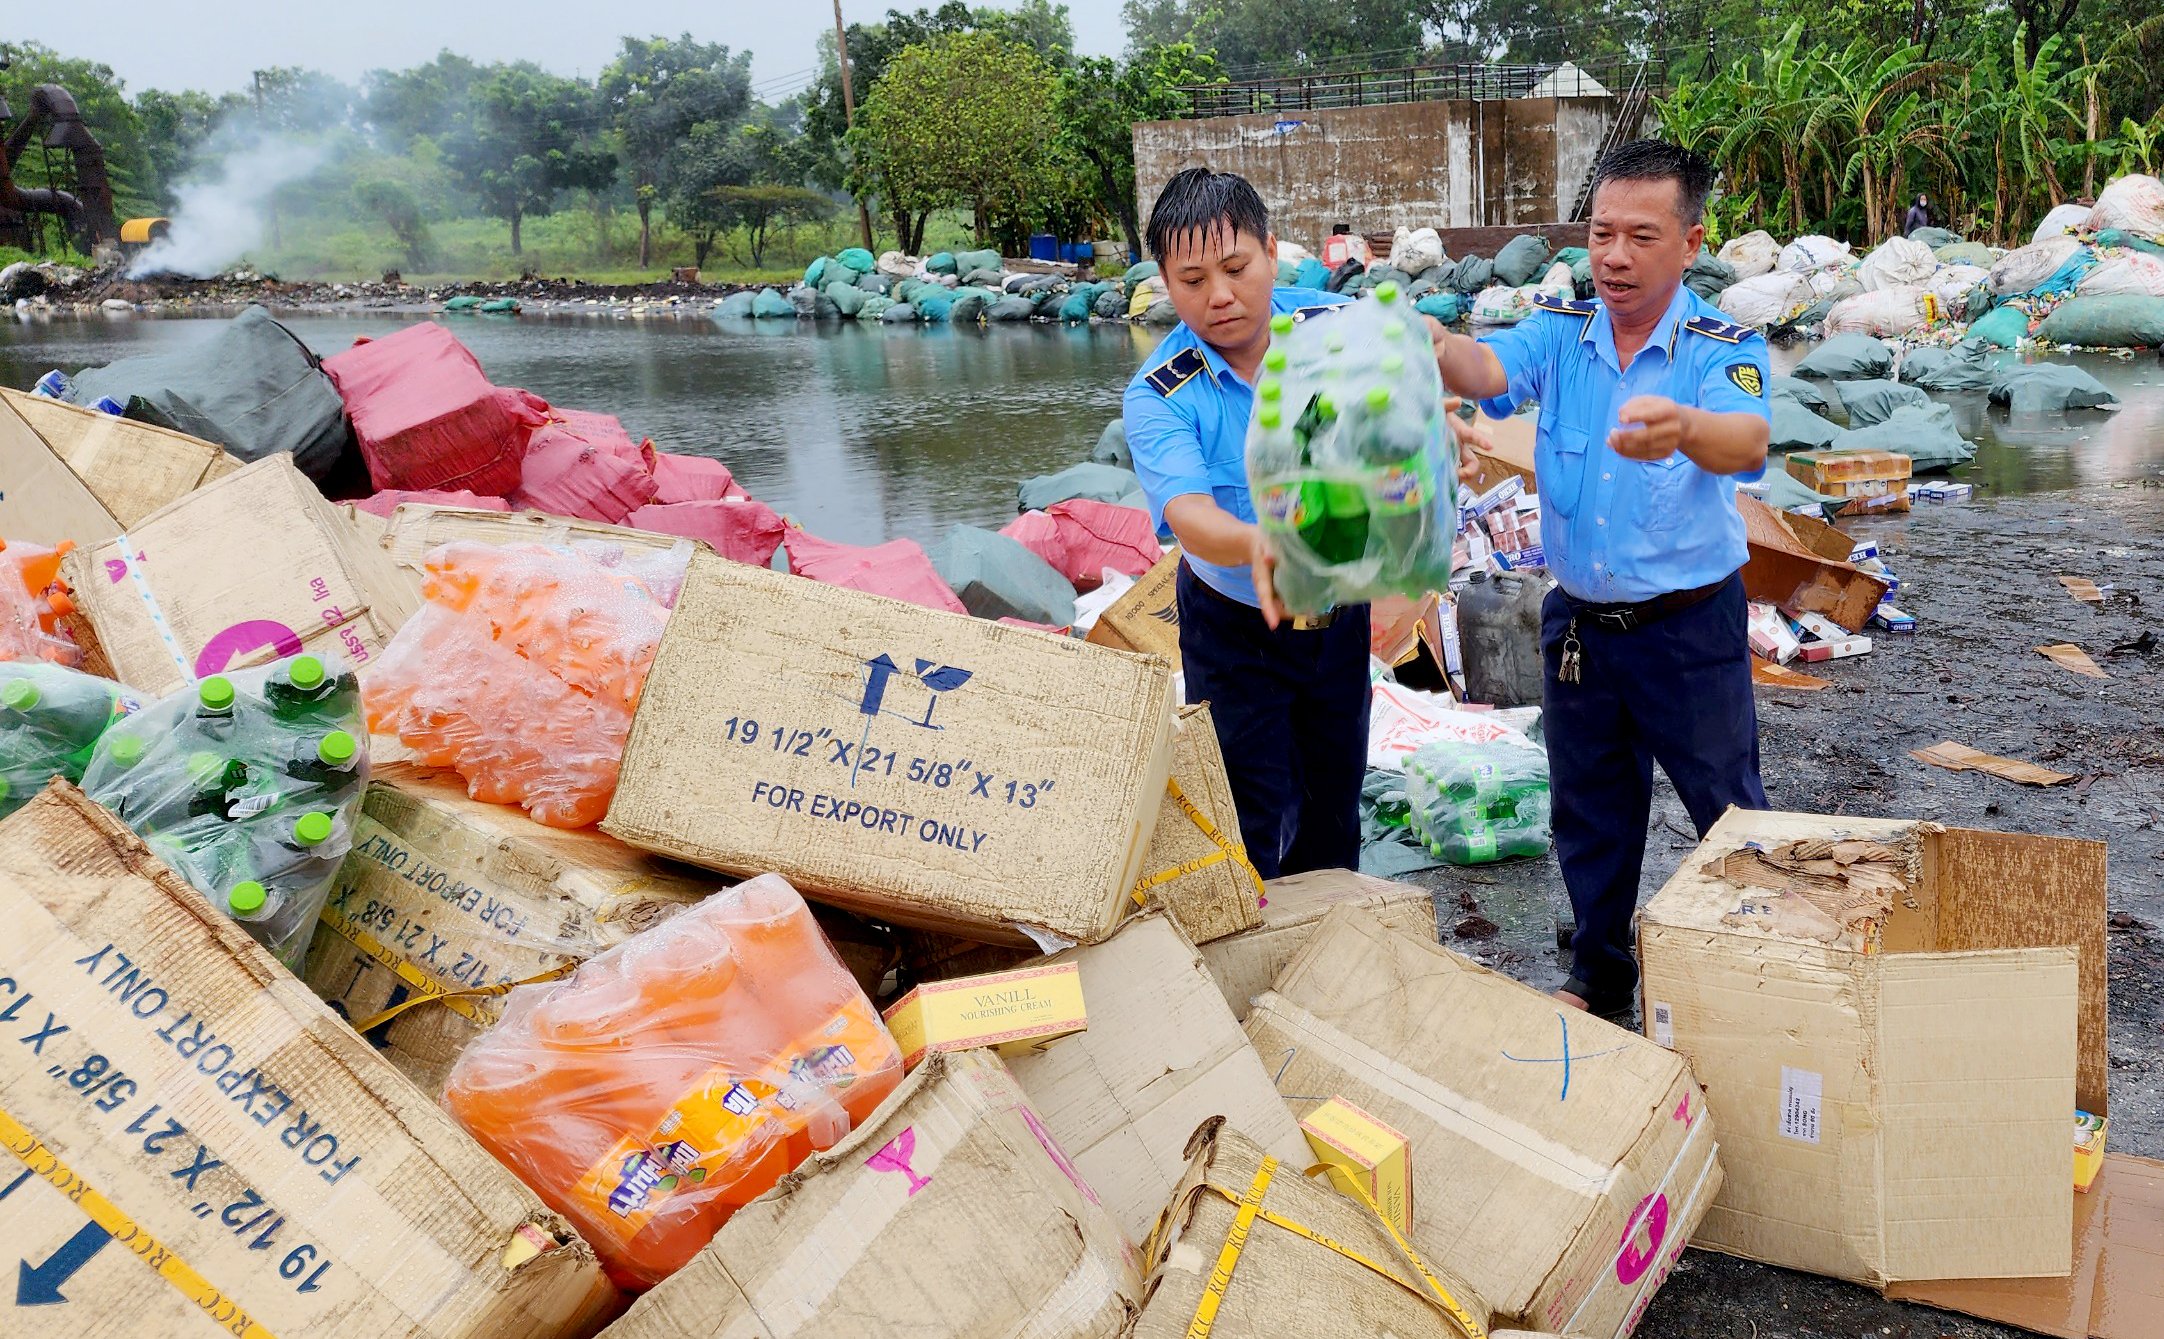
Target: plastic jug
{"x": 1499, "y": 637}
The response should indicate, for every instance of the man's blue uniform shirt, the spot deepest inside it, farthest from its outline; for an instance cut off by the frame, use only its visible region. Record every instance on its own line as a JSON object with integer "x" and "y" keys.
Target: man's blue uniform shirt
{"x": 1186, "y": 415}
{"x": 1615, "y": 530}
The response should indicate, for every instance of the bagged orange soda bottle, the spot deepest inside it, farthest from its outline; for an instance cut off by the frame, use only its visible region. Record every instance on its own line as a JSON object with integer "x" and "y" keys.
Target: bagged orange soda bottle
{"x": 678, "y": 1076}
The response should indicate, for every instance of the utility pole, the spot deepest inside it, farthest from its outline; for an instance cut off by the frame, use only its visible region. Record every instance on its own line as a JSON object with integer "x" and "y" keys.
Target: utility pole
{"x": 849, "y": 117}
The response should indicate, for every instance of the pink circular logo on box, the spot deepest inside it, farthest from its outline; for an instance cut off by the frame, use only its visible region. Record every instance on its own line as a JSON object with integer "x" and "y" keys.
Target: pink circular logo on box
{"x": 1632, "y": 1262}
{"x": 242, "y": 638}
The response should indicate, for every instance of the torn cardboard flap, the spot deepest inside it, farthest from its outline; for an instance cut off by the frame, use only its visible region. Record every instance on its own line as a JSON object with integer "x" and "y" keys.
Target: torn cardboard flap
{"x": 2116, "y": 1287}
{"x": 416, "y": 528}
{"x": 1961, "y": 758}
{"x": 1824, "y": 889}
{"x": 1244, "y": 965}
{"x": 1785, "y": 571}
{"x": 2072, "y": 657}
{"x": 2083, "y": 589}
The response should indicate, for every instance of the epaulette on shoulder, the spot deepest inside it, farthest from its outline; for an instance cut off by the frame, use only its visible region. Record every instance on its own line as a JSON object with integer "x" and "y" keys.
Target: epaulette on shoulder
{"x": 1549, "y": 302}
{"x": 1175, "y": 371}
{"x": 1319, "y": 309}
{"x": 1723, "y": 331}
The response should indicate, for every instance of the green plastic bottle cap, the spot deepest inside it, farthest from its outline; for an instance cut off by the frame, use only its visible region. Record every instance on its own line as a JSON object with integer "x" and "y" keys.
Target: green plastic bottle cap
{"x": 20, "y": 694}
{"x": 1386, "y": 292}
{"x": 1281, "y": 323}
{"x": 1337, "y": 344}
{"x": 247, "y": 898}
{"x": 1325, "y": 406}
{"x": 337, "y": 748}
{"x": 1270, "y": 389}
{"x": 127, "y": 750}
{"x": 312, "y": 829}
{"x": 1269, "y": 417}
{"x": 1274, "y": 360}
{"x": 1393, "y": 363}
{"x": 1379, "y": 399}
{"x": 1393, "y": 330}
{"x": 306, "y": 672}
{"x": 215, "y": 693}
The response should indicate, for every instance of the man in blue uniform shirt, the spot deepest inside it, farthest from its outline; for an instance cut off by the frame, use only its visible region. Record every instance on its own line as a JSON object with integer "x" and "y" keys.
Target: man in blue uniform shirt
{"x": 1289, "y": 695}
{"x": 1652, "y": 407}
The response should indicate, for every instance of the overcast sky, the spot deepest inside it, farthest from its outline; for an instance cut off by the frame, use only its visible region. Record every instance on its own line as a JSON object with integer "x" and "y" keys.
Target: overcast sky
{"x": 214, "y": 46}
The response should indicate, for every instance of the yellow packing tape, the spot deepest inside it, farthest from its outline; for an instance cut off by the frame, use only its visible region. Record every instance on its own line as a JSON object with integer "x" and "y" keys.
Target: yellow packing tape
{"x": 1226, "y": 850}
{"x": 431, "y": 991}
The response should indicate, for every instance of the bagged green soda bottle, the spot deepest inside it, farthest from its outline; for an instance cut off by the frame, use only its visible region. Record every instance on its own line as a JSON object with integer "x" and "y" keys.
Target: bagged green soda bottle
{"x": 1391, "y": 440}
{"x": 51, "y": 719}
{"x": 305, "y": 689}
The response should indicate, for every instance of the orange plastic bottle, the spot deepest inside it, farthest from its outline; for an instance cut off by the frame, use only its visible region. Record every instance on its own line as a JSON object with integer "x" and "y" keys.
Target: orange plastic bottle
{"x": 678, "y": 1076}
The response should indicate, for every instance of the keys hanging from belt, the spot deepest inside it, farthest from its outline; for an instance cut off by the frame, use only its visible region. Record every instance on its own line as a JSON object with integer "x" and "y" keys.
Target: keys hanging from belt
{"x": 1573, "y": 655}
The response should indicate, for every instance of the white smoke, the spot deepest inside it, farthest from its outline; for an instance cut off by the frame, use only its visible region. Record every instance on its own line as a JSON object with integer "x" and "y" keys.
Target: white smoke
{"x": 224, "y": 208}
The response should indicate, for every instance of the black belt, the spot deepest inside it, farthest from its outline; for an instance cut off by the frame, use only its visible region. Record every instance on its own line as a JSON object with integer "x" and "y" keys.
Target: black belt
{"x": 1630, "y": 617}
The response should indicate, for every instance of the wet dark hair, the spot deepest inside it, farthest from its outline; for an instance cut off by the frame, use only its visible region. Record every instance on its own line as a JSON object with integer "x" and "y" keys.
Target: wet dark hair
{"x": 1197, "y": 201}
{"x": 1652, "y": 160}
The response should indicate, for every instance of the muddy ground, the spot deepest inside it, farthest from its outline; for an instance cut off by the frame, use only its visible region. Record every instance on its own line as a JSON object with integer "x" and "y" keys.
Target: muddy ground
{"x": 1981, "y": 579}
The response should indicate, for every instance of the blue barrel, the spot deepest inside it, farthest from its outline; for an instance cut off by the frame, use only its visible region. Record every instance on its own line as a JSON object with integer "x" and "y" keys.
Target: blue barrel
{"x": 1043, "y": 246}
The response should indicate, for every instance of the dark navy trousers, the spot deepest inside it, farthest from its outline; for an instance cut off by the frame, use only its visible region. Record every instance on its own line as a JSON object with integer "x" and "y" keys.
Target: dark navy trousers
{"x": 1676, "y": 691}
{"x": 1291, "y": 710}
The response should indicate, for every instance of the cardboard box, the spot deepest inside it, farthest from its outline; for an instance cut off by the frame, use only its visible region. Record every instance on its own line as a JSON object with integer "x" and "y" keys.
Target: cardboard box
{"x": 951, "y": 1212}
{"x": 1891, "y": 1042}
{"x": 1147, "y": 618}
{"x": 1200, "y": 874}
{"x": 2116, "y": 1288}
{"x": 1785, "y": 571}
{"x": 1246, "y": 965}
{"x": 69, "y": 472}
{"x": 915, "y": 767}
{"x": 1009, "y": 1012}
{"x": 207, "y": 1150}
{"x": 1361, "y": 1151}
{"x": 1511, "y": 456}
{"x": 1871, "y": 480}
{"x": 415, "y": 528}
{"x": 245, "y": 570}
{"x": 1563, "y": 1162}
{"x": 445, "y": 896}
{"x": 1162, "y": 1055}
{"x": 1343, "y": 1274}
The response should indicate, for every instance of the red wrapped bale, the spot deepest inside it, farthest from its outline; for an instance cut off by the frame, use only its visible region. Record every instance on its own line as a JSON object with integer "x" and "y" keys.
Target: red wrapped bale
{"x": 386, "y": 502}
{"x": 1081, "y": 538}
{"x": 426, "y": 416}
{"x": 739, "y": 528}
{"x": 584, "y": 465}
{"x": 693, "y": 479}
{"x": 899, "y": 569}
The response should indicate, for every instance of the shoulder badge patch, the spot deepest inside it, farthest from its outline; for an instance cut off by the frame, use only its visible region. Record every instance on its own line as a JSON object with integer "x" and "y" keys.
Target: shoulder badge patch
{"x": 1720, "y": 330}
{"x": 1175, "y": 371}
{"x": 1548, "y": 302}
{"x": 1747, "y": 380}
{"x": 1319, "y": 309}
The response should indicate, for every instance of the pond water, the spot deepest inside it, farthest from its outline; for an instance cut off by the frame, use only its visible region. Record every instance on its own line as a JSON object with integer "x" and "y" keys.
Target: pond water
{"x": 870, "y": 433}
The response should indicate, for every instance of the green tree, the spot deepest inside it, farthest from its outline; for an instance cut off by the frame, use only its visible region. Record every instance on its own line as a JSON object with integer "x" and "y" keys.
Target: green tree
{"x": 526, "y": 138}
{"x": 427, "y": 100}
{"x": 1868, "y": 121}
{"x": 174, "y": 128}
{"x": 400, "y": 211}
{"x": 966, "y": 118}
{"x": 655, "y": 93}
{"x": 300, "y": 101}
{"x": 1769, "y": 123}
{"x": 1099, "y": 104}
{"x": 1252, "y": 37}
{"x": 752, "y": 212}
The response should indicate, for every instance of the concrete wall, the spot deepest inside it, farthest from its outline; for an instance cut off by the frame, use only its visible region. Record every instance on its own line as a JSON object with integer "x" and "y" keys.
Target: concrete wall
{"x": 1454, "y": 164}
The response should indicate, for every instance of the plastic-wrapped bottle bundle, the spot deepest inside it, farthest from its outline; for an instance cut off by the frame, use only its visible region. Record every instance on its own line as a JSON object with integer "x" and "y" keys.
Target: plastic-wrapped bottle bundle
{"x": 678, "y": 1076}
{"x": 1476, "y": 803}
{"x": 51, "y": 717}
{"x": 32, "y": 598}
{"x": 1349, "y": 458}
{"x": 248, "y": 785}
{"x": 524, "y": 667}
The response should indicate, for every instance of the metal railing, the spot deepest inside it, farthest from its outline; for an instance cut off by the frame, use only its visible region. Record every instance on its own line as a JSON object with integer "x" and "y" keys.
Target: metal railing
{"x": 1628, "y": 114}
{"x": 1326, "y": 90}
